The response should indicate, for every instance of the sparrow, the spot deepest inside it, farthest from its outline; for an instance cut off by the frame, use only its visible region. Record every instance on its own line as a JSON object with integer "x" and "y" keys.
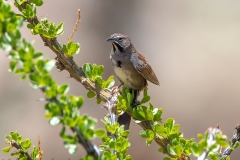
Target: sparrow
{"x": 131, "y": 68}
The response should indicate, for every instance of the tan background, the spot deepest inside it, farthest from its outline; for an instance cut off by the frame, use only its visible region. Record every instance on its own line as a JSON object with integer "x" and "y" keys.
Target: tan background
{"x": 193, "y": 47}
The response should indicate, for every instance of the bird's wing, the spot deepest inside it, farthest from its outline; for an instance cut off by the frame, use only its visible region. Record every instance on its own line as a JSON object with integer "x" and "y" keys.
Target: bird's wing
{"x": 144, "y": 68}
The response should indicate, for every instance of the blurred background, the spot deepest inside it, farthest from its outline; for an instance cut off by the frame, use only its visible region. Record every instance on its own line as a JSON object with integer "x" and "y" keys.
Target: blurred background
{"x": 193, "y": 47}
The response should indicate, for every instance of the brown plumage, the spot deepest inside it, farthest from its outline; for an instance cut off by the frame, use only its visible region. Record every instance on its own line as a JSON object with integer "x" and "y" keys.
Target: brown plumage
{"x": 131, "y": 68}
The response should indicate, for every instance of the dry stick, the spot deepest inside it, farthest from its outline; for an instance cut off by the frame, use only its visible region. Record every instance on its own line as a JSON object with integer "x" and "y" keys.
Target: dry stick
{"x": 67, "y": 63}
{"x": 76, "y": 25}
{"x": 40, "y": 152}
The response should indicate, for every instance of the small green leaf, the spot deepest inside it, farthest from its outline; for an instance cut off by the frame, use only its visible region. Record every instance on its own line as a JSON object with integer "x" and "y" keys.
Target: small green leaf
{"x": 87, "y": 70}
{"x": 157, "y": 113}
{"x": 6, "y": 149}
{"x": 171, "y": 150}
{"x": 99, "y": 70}
{"x": 72, "y": 48}
{"x": 14, "y": 135}
{"x": 34, "y": 153}
{"x": 109, "y": 83}
{"x": 161, "y": 130}
{"x": 236, "y": 145}
{"x": 99, "y": 101}
{"x": 160, "y": 150}
{"x": 12, "y": 66}
{"x": 175, "y": 129}
{"x": 62, "y": 131}
{"x": 37, "y": 2}
{"x": 26, "y": 144}
{"x": 63, "y": 89}
{"x": 37, "y": 55}
{"x": 169, "y": 123}
{"x": 99, "y": 132}
{"x": 90, "y": 94}
{"x": 145, "y": 99}
{"x": 59, "y": 29}
{"x": 30, "y": 26}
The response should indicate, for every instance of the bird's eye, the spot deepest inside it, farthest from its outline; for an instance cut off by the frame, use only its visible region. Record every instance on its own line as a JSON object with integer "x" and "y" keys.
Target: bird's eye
{"x": 120, "y": 39}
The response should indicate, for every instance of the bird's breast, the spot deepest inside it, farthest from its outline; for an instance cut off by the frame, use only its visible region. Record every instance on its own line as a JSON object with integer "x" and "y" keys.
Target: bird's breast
{"x": 128, "y": 75}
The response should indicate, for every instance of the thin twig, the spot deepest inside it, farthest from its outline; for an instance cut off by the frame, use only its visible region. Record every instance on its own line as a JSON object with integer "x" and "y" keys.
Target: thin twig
{"x": 76, "y": 25}
{"x": 40, "y": 152}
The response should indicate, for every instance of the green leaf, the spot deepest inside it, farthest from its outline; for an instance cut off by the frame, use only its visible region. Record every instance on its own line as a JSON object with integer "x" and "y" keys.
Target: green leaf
{"x": 145, "y": 94}
{"x": 175, "y": 129}
{"x": 34, "y": 153}
{"x": 171, "y": 150}
{"x": 90, "y": 94}
{"x": 99, "y": 132}
{"x": 160, "y": 150}
{"x": 8, "y": 138}
{"x": 157, "y": 113}
{"x": 145, "y": 99}
{"x": 12, "y": 66}
{"x": 236, "y": 145}
{"x": 54, "y": 121}
{"x": 213, "y": 156}
{"x": 30, "y": 26}
{"x": 109, "y": 83}
{"x": 26, "y": 144}
{"x": 63, "y": 89}
{"x": 37, "y": 55}
{"x": 99, "y": 70}
{"x": 147, "y": 134}
{"x": 50, "y": 93}
{"x": 161, "y": 130}
{"x": 99, "y": 101}
{"x": 169, "y": 123}
{"x": 6, "y": 149}
{"x": 62, "y": 131}
{"x": 178, "y": 150}
{"x": 87, "y": 69}
{"x": 14, "y": 135}
{"x": 59, "y": 29}
{"x": 167, "y": 158}
{"x": 78, "y": 101}
{"x": 72, "y": 48}
{"x": 37, "y": 2}
{"x": 99, "y": 80}
{"x": 125, "y": 133}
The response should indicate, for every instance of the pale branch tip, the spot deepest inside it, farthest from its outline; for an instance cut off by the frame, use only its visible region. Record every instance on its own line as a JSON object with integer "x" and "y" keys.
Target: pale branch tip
{"x": 76, "y": 25}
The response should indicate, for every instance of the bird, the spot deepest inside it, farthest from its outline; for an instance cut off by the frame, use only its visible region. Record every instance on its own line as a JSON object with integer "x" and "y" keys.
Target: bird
{"x": 131, "y": 68}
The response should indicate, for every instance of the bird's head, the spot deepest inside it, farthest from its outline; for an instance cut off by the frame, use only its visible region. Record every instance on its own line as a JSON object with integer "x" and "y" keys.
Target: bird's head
{"x": 120, "y": 41}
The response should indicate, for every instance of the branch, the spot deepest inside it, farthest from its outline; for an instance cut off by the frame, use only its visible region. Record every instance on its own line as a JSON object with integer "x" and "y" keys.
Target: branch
{"x": 67, "y": 63}
{"x": 235, "y": 138}
{"x": 18, "y": 147}
{"x": 87, "y": 145}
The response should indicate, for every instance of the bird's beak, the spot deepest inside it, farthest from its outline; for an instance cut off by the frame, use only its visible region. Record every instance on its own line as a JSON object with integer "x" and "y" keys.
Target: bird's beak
{"x": 110, "y": 39}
